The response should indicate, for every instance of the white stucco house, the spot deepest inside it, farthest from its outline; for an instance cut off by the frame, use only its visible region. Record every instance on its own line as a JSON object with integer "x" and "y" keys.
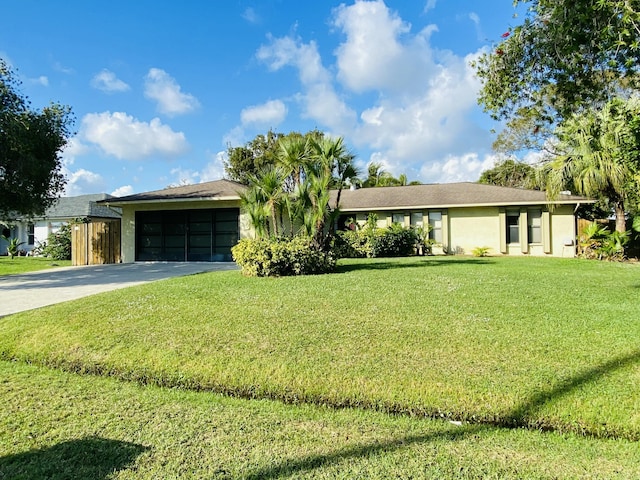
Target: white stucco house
{"x": 35, "y": 231}
{"x": 202, "y": 222}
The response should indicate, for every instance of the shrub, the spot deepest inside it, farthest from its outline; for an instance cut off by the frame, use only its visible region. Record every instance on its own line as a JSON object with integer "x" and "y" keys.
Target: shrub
{"x": 281, "y": 257}
{"x": 58, "y": 244}
{"x": 394, "y": 241}
{"x": 480, "y": 251}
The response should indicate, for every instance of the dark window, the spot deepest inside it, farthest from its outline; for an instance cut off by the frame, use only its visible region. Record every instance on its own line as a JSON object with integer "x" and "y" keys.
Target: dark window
{"x": 513, "y": 227}
{"x": 31, "y": 233}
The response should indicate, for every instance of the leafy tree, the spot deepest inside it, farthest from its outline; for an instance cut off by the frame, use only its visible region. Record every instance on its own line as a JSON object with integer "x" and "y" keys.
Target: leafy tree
{"x": 58, "y": 244}
{"x": 600, "y": 157}
{"x": 378, "y": 177}
{"x": 263, "y": 150}
{"x": 30, "y": 146}
{"x": 567, "y": 55}
{"x": 509, "y": 173}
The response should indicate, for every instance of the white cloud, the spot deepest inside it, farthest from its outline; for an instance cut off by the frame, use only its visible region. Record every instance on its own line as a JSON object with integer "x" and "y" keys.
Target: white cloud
{"x": 319, "y": 100}
{"x": 123, "y": 191}
{"x": 125, "y": 137}
{"x": 378, "y": 52}
{"x": 213, "y": 170}
{"x": 416, "y": 105}
{"x": 270, "y": 113}
{"x": 162, "y": 87}
{"x": 462, "y": 168}
{"x": 82, "y": 182}
{"x": 431, "y": 4}
{"x": 41, "y": 80}
{"x": 251, "y": 16}
{"x": 107, "y": 81}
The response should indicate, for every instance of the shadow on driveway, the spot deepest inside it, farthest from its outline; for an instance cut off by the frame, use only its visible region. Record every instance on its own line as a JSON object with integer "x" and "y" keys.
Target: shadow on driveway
{"x": 37, "y": 289}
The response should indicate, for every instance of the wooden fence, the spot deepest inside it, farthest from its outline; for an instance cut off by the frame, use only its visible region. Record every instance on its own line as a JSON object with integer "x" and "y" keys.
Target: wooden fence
{"x": 95, "y": 243}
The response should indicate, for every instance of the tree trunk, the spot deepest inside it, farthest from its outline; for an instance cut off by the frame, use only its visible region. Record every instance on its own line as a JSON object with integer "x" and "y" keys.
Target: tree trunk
{"x": 621, "y": 225}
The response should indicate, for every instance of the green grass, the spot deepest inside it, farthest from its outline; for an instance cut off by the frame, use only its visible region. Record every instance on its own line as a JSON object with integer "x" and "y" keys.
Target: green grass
{"x": 58, "y": 426}
{"x": 9, "y": 266}
{"x": 546, "y": 344}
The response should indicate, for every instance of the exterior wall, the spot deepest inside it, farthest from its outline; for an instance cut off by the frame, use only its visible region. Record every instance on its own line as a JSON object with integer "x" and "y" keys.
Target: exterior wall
{"x": 42, "y": 229}
{"x": 474, "y": 227}
{"x": 128, "y": 245}
{"x": 466, "y": 228}
{"x": 563, "y": 232}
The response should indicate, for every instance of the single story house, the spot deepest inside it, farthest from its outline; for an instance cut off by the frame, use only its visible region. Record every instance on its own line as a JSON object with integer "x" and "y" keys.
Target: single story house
{"x": 35, "y": 231}
{"x": 202, "y": 222}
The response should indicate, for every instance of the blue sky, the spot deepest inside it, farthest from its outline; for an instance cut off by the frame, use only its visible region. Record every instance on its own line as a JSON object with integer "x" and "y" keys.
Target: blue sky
{"x": 159, "y": 89}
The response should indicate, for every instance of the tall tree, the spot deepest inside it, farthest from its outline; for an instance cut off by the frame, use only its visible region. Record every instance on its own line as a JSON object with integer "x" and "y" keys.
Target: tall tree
{"x": 247, "y": 160}
{"x": 510, "y": 173}
{"x": 565, "y": 56}
{"x": 30, "y": 145}
{"x": 600, "y": 157}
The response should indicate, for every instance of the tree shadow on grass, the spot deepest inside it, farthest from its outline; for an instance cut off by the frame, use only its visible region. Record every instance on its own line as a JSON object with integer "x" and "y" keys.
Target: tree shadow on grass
{"x": 90, "y": 458}
{"x": 392, "y": 264}
{"x": 518, "y": 417}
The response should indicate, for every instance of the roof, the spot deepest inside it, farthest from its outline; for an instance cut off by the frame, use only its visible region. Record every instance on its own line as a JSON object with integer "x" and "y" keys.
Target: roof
{"x": 81, "y": 206}
{"x": 215, "y": 190}
{"x": 445, "y": 195}
{"x": 441, "y": 195}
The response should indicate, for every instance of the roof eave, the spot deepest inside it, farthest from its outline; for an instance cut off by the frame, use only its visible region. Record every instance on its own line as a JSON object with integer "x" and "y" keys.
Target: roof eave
{"x": 117, "y": 203}
{"x": 466, "y": 205}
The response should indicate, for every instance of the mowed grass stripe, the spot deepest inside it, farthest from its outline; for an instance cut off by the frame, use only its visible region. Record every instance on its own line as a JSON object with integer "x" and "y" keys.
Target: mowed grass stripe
{"x": 57, "y": 425}
{"x": 540, "y": 343}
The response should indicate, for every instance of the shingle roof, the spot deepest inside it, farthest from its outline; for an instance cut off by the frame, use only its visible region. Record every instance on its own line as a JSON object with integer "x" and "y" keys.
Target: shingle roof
{"x": 381, "y": 198}
{"x": 215, "y": 190}
{"x": 81, "y": 206}
{"x": 444, "y": 195}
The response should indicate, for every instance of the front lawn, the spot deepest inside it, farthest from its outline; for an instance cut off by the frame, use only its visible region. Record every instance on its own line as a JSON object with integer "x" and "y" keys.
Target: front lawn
{"x": 9, "y": 266}
{"x": 525, "y": 342}
{"x": 59, "y": 426}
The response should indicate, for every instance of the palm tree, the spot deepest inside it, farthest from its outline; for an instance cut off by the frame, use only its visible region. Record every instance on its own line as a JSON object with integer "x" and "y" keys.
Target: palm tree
{"x": 293, "y": 155}
{"x": 600, "y": 157}
{"x": 267, "y": 189}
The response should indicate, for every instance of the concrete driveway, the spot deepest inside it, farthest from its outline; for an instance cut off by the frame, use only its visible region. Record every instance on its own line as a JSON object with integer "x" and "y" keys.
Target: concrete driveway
{"x": 46, "y": 287}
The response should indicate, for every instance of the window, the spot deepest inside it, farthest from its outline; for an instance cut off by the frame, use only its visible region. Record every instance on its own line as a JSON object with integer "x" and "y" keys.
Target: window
{"x": 534, "y": 225}
{"x": 416, "y": 219}
{"x": 435, "y": 222}
{"x": 513, "y": 227}
{"x": 398, "y": 218}
{"x": 31, "y": 232}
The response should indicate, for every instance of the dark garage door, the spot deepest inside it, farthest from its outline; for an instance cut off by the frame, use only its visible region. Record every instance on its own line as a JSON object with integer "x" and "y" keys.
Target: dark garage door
{"x": 187, "y": 235}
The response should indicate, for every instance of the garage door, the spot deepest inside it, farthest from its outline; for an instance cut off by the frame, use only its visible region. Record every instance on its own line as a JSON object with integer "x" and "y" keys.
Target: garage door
{"x": 187, "y": 235}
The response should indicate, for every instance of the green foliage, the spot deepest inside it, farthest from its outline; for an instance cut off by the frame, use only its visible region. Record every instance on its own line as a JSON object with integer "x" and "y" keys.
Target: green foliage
{"x": 296, "y": 188}
{"x": 597, "y": 242}
{"x": 30, "y": 146}
{"x": 378, "y": 177}
{"x": 13, "y": 248}
{"x": 58, "y": 244}
{"x": 271, "y": 257}
{"x": 599, "y": 157}
{"x": 263, "y": 151}
{"x": 480, "y": 251}
{"x": 371, "y": 241}
{"x": 564, "y": 56}
{"x": 509, "y": 173}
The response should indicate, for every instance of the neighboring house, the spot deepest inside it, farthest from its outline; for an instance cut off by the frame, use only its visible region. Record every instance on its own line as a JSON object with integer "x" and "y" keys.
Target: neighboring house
{"x": 202, "y": 222}
{"x": 35, "y": 231}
